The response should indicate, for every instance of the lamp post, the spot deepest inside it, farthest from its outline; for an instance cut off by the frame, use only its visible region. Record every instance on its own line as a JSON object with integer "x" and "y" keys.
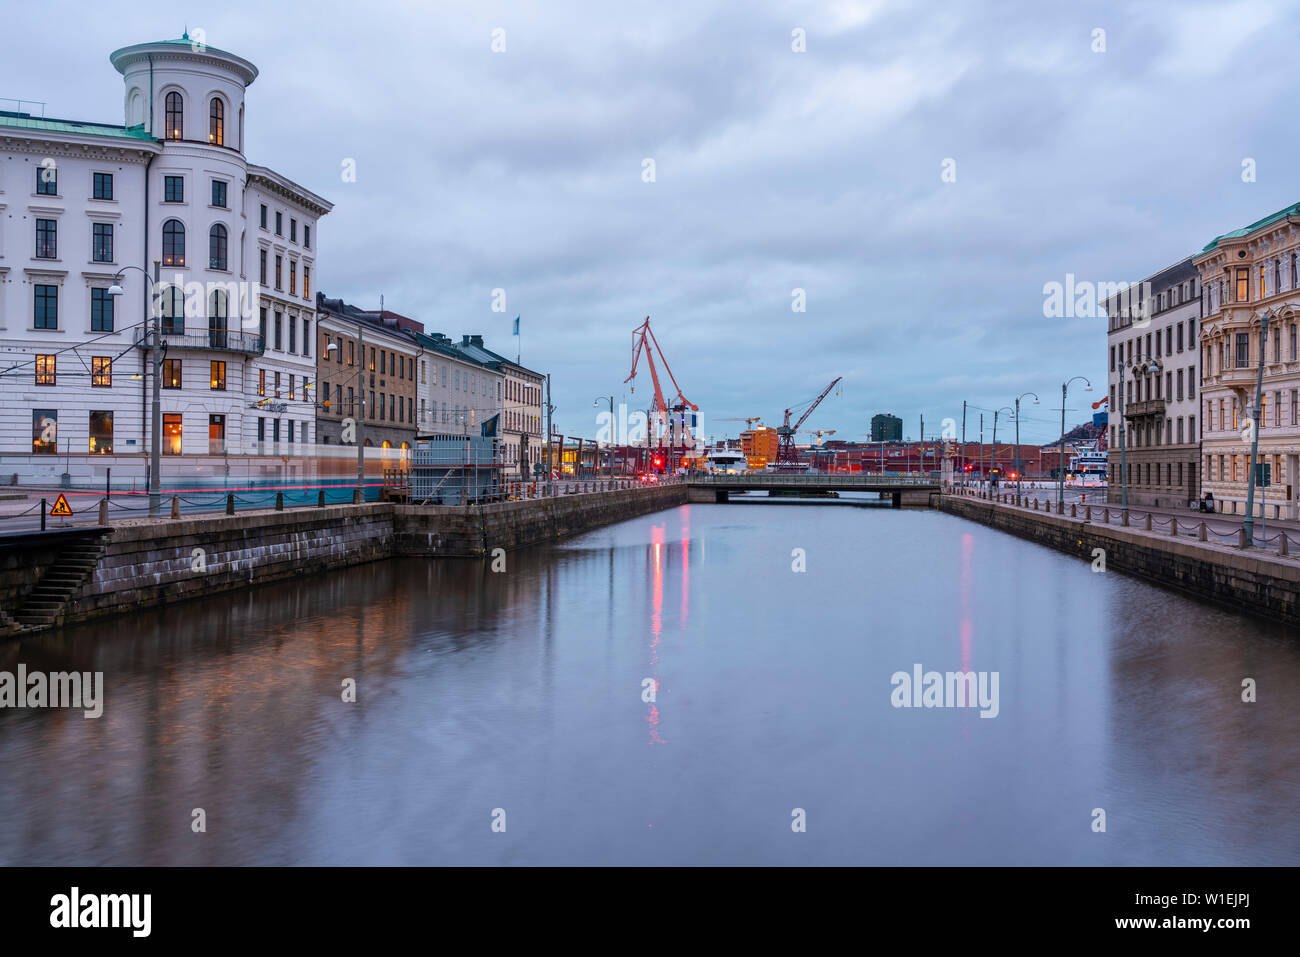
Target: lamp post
{"x": 1142, "y": 364}
{"x": 159, "y": 347}
{"x": 610, "y": 449}
{"x": 1060, "y": 471}
{"x": 1248, "y": 523}
{"x": 993, "y": 464}
{"x": 1019, "y": 467}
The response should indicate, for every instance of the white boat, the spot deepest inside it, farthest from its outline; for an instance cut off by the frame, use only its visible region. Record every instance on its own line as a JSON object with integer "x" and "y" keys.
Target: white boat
{"x": 1089, "y": 460}
{"x": 728, "y": 461}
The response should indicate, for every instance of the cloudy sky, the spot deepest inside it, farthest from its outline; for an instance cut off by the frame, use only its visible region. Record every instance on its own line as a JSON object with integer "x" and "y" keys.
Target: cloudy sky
{"x": 774, "y": 170}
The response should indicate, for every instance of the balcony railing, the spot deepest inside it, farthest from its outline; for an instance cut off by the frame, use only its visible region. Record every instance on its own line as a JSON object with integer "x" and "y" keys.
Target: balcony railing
{"x": 216, "y": 340}
{"x": 1147, "y": 407}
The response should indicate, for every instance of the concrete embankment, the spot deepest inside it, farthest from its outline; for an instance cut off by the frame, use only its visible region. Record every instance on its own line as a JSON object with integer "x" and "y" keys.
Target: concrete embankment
{"x": 140, "y": 564}
{"x": 1251, "y": 581}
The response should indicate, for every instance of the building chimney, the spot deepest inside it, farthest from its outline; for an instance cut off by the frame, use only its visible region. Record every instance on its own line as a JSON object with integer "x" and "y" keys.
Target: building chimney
{"x": 476, "y": 340}
{"x": 464, "y": 340}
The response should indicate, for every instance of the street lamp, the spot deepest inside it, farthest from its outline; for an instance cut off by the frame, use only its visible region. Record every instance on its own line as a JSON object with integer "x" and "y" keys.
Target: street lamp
{"x": 1019, "y": 466}
{"x": 159, "y": 350}
{"x": 993, "y": 461}
{"x": 1142, "y": 364}
{"x": 1248, "y": 524}
{"x": 1060, "y": 478}
{"x": 610, "y": 449}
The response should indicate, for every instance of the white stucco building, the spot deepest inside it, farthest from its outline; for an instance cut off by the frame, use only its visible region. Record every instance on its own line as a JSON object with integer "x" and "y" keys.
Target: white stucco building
{"x": 231, "y": 248}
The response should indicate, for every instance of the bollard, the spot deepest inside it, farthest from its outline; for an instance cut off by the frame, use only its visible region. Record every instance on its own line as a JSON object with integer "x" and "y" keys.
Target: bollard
{"x": 1200, "y": 532}
{"x": 1073, "y": 512}
{"x": 357, "y": 496}
{"x": 230, "y": 503}
{"x": 320, "y": 499}
{"x": 1035, "y": 505}
{"x": 1284, "y": 545}
{"x": 1148, "y": 528}
{"x": 1060, "y": 508}
{"x": 1173, "y": 526}
{"x": 279, "y": 501}
{"x": 1241, "y": 538}
{"x": 1123, "y": 517}
{"x": 176, "y": 507}
{"x": 103, "y": 511}
{"x": 1087, "y": 513}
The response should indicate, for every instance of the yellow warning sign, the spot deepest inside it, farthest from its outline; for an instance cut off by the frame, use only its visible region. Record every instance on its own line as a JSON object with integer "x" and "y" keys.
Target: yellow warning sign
{"x": 61, "y": 506}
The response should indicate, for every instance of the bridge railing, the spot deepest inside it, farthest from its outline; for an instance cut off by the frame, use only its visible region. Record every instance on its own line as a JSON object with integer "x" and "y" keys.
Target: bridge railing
{"x": 794, "y": 480}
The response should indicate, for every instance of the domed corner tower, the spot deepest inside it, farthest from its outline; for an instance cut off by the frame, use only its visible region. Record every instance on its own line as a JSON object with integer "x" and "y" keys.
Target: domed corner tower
{"x": 186, "y": 91}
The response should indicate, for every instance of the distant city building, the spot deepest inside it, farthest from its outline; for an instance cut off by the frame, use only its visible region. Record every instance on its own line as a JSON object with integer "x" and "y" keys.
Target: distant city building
{"x": 886, "y": 428}
{"x": 1246, "y": 273}
{"x": 1158, "y": 410}
{"x": 759, "y": 446}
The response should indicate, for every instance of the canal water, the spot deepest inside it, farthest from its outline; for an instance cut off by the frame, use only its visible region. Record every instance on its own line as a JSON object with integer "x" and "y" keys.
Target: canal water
{"x": 518, "y": 697}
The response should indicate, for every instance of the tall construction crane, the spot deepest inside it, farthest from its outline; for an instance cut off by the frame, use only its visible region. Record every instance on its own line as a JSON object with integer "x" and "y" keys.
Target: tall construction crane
{"x": 642, "y": 340}
{"x": 786, "y": 456}
{"x": 749, "y": 420}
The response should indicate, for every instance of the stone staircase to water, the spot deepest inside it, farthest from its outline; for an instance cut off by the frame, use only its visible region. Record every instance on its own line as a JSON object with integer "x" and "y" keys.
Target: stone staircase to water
{"x": 74, "y": 567}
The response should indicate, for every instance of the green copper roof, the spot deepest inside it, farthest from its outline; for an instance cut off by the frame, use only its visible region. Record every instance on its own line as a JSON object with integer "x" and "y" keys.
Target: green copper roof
{"x": 1247, "y": 230}
{"x": 23, "y": 121}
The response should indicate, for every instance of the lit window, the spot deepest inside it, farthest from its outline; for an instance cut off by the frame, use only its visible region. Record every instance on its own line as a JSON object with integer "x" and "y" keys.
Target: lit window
{"x": 217, "y": 122}
{"x": 173, "y": 236}
{"x": 217, "y": 375}
{"x": 45, "y": 369}
{"x": 101, "y": 371}
{"x": 45, "y": 431}
{"x": 101, "y": 433}
{"x": 175, "y": 116}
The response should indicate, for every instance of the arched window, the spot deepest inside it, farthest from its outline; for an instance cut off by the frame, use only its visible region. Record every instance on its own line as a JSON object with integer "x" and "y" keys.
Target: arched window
{"x": 217, "y": 122}
{"x": 217, "y": 319}
{"x": 171, "y": 306}
{"x": 173, "y": 243}
{"x": 175, "y": 116}
{"x": 217, "y": 247}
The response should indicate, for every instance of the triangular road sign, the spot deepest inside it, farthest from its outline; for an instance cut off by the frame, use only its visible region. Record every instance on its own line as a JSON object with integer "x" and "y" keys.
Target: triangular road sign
{"x": 61, "y": 506}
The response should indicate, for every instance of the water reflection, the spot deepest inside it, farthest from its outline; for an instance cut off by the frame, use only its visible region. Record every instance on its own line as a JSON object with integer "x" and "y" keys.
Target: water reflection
{"x": 517, "y": 690}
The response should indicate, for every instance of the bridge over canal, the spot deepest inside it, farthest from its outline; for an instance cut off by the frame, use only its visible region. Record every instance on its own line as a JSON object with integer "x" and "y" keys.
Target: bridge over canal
{"x": 901, "y": 490}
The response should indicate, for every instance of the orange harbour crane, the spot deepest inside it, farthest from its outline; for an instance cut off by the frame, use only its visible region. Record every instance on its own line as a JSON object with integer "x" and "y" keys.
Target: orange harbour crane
{"x": 643, "y": 338}
{"x": 786, "y": 456}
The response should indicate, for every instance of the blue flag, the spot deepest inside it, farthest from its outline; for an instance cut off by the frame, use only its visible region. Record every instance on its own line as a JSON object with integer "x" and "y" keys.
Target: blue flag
{"x": 490, "y": 427}
{"x": 516, "y": 325}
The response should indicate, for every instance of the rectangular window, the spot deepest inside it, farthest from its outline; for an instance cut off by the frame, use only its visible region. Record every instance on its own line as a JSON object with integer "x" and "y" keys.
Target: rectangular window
{"x": 293, "y": 278}
{"x": 45, "y": 431}
{"x": 101, "y": 433}
{"x": 306, "y": 337}
{"x": 263, "y": 219}
{"x": 352, "y": 399}
{"x": 102, "y": 244}
{"x": 261, "y": 422}
{"x": 47, "y": 179}
{"x": 1191, "y": 383}
{"x": 47, "y": 239}
{"x": 171, "y": 441}
{"x": 46, "y": 368}
{"x": 171, "y": 377}
{"x": 261, "y": 324}
{"x": 372, "y": 358}
{"x": 291, "y": 385}
{"x": 1293, "y": 342}
{"x": 306, "y": 235}
{"x": 306, "y": 282}
{"x": 173, "y": 189}
{"x": 261, "y": 266}
{"x": 279, "y": 223}
{"x": 279, "y": 343}
{"x": 293, "y": 230}
{"x": 216, "y": 434}
{"x": 293, "y": 335}
{"x": 101, "y": 311}
{"x": 275, "y": 429}
{"x": 101, "y": 371}
{"x": 1243, "y": 350}
{"x": 1277, "y": 408}
{"x": 291, "y": 431}
{"x": 103, "y": 186}
{"x": 370, "y": 412}
{"x": 352, "y": 353}
{"x": 217, "y": 375}
{"x": 1243, "y": 285}
{"x": 261, "y": 382}
{"x": 1180, "y": 384}
{"x": 277, "y": 385}
{"x": 279, "y": 266}
{"x": 218, "y": 193}
{"x": 1295, "y": 406}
